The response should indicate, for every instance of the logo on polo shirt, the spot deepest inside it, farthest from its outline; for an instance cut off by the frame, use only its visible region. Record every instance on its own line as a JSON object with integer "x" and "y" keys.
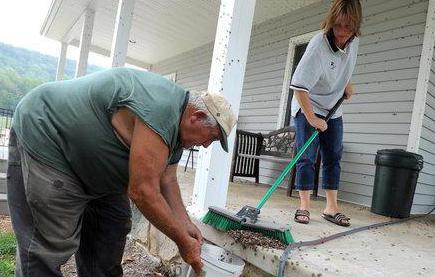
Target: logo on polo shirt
{"x": 332, "y": 65}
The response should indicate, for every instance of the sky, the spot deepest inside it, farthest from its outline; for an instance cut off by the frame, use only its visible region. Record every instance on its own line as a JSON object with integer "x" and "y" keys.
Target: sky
{"x": 21, "y": 22}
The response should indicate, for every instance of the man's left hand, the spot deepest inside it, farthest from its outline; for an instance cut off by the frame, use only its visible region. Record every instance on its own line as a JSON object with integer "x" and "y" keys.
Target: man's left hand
{"x": 194, "y": 232}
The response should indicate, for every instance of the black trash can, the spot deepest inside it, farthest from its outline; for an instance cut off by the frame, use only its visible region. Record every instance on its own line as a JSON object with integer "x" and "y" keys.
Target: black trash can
{"x": 395, "y": 180}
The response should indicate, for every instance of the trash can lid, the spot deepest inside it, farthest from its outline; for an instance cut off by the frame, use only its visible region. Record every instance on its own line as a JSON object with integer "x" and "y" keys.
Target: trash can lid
{"x": 399, "y": 158}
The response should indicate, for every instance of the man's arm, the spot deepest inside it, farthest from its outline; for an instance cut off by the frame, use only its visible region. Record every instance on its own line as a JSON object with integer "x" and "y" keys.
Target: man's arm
{"x": 148, "y": 155}
{"x": 171, "y": 191}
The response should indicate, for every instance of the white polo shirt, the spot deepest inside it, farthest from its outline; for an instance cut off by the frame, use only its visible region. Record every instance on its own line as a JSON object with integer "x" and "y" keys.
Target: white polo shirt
{"x": 324, "y": 72}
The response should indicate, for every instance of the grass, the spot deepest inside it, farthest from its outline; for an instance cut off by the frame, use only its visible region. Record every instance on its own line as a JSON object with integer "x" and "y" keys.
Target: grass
{"x": 7, "y": 254}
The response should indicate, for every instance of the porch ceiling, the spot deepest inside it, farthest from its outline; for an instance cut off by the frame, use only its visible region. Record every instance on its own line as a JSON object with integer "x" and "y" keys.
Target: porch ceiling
{"x": 160, "y": 28}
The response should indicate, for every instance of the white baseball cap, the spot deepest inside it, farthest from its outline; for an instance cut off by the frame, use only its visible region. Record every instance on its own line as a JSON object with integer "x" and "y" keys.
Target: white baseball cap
{"x": 221, "y": 110}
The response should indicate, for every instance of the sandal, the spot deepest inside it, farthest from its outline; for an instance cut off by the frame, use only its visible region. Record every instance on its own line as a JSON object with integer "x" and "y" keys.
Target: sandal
{"x": 300, "y": 213}
{"x": 339, "y": 219}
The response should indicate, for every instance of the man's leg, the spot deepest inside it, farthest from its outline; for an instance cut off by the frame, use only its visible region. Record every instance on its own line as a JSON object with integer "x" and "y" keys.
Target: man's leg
{"x": 106, "y": 223}
{"x": 21, "y": 216}
{"x": 46, "y": 209}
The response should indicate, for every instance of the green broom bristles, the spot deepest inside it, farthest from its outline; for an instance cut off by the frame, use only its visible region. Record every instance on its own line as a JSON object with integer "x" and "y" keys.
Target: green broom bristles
{"x": 223, "y": 223}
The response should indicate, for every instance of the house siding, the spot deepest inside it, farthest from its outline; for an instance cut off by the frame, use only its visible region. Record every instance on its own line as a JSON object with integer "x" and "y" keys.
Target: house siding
{"x": 385, "y": 78}
{"x": 424, "y": 199}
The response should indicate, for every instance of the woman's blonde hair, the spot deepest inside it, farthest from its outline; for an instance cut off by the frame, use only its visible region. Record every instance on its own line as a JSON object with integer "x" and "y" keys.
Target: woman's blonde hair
{"x": 348, "y": 11}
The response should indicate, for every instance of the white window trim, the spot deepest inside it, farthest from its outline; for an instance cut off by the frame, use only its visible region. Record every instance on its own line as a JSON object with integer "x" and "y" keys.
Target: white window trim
{"x": 172, "y": 76}
{"x": 294, "y": 41}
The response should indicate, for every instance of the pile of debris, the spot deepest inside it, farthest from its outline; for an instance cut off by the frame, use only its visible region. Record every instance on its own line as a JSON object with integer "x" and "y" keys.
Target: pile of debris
{"x": 252, "y": 239}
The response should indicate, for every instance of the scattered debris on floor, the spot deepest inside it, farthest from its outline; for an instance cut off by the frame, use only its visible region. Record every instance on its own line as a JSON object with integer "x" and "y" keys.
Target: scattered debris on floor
{"x": 252, "y": 239}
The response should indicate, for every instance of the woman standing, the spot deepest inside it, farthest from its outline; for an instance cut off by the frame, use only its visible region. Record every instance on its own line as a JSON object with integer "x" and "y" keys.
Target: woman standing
{"x": 319, "y": 81}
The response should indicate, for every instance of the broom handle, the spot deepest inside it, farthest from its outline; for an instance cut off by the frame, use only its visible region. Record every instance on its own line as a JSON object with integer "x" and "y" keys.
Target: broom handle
{"x": 289, "y": 166}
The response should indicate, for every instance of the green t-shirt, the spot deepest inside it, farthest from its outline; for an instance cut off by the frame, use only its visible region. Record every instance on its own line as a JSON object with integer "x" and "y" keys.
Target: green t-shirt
{"x": 67, "y": 124}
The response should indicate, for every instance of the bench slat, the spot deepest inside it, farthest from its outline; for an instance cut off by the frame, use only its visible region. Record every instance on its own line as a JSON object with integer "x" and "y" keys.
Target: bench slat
{"x": 266, "y": 158}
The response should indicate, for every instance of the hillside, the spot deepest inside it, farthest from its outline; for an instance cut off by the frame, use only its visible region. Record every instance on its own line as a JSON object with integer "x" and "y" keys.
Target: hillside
{"x": 22, "y": 69}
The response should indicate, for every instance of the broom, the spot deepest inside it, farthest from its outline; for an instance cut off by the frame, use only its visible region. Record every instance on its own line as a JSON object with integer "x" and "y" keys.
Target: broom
{"x": 247, "y": 217}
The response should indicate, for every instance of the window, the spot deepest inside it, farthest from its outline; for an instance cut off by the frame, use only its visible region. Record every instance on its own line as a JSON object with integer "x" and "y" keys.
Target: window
{"x": 297, "y": 46}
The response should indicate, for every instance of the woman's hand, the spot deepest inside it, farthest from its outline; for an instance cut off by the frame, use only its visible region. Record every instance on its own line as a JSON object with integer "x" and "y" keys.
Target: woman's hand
{"x": 318, "y": 123}
{"x": 348, "y": 91}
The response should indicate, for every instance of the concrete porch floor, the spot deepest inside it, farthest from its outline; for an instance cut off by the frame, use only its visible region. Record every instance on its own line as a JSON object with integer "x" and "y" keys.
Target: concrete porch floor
{"x": 403, "y": 249}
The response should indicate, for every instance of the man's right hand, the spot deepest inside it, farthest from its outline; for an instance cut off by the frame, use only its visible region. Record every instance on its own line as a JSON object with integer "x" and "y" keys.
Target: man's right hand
{"x": 190, "y": 251}
{"x": 148, "y": 158}
{"x": 318, "y": 123}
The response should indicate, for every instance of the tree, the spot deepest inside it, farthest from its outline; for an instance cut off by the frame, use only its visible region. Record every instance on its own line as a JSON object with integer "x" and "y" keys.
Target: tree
{"x": 21, "y": 70}
{"x": 13, "y": 87}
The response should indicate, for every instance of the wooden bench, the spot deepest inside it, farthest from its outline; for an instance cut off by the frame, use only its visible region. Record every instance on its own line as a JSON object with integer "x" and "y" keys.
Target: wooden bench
{"x": 277, "y": 146}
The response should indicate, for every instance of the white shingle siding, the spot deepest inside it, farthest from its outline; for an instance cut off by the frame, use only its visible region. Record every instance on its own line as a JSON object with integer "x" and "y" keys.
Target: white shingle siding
{"x": 385, "y": 78}
{"x": 424, "y": 199}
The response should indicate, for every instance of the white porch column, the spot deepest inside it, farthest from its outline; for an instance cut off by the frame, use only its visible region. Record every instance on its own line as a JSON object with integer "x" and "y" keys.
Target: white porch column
{"x": 61, "y": 62}
{"x": 422, "y": 80}
{"x": 85, "y": 42}
{"x": 226, "y": 76}
{"x": 121, "y": 34}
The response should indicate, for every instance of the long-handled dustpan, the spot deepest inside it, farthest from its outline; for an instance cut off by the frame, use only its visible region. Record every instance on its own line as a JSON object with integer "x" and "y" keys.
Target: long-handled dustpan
{"x": 247, "y": 217}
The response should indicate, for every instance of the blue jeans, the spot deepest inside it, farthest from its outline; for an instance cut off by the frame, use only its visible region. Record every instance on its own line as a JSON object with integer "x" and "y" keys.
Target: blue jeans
{"x": 331, "y": 148}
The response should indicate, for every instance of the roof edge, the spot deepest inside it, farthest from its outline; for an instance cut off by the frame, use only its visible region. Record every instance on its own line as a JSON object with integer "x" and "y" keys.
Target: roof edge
{"x": 51, "y": 14}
